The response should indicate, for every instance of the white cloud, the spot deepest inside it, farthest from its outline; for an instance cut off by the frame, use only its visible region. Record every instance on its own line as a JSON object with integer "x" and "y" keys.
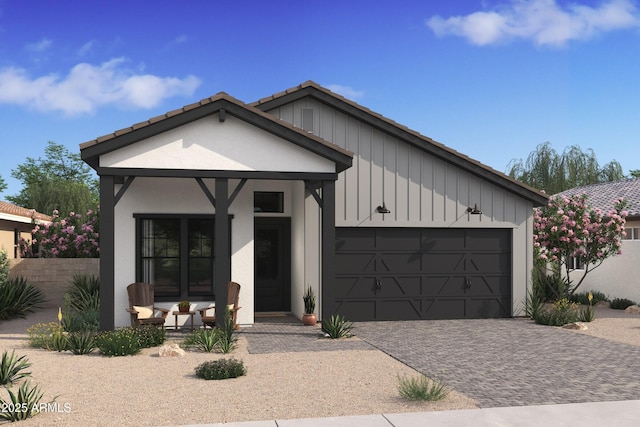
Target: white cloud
{"x": 346, "y": 91}
{"x": 86, "y": 48}
{"x": 40, "y": 46}
{"x": 88, "y": 87}
{"x": 542, "y": 21}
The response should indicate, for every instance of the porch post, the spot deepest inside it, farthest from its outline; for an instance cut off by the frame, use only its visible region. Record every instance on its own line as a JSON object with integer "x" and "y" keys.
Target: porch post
{"x": 222, "y": 246}
{"x": 328, "y": 245}
{"x": 107, "y": 213}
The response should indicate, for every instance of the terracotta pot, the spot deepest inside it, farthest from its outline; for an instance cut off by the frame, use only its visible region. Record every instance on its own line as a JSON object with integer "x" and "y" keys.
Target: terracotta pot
{"x": 309, "y": 319}
{"x": 183, "y": 309}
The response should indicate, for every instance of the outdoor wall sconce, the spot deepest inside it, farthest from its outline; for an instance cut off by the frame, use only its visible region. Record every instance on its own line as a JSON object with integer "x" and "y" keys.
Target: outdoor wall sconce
{"x": 474, "y": 210}
{"x": 383, "y": 209}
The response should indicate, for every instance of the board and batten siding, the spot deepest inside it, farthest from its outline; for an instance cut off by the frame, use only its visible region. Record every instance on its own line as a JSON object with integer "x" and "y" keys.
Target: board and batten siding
{"x": 418, "y": 188}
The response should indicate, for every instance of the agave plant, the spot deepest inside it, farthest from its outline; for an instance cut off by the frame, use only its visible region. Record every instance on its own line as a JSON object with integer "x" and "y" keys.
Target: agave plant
{"x": 12, "y": 369}
{"x": 18, "y": 296}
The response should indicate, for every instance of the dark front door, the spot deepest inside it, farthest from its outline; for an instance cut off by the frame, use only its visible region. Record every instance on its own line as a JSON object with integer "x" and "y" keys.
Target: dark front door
{"x": 272, "y": 264}
{"x": 422, "y": 273}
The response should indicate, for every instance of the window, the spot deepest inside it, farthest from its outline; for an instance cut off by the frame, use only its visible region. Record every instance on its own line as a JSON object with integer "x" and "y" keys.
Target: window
{"x": 265, "y": 201}
{"x": 575, "y": 263}
{"x": 175, "y": 254}
{"x": 632, "y": 234}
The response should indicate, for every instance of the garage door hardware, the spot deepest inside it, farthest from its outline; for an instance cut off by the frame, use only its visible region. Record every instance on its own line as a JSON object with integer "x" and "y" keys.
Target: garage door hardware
{"x": 377, "y": 287}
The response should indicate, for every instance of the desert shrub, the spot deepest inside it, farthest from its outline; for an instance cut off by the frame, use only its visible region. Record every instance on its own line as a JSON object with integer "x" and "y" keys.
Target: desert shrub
{"x": 547, "y": 286}
{"x": 40, "y": 335}
{"x": 621, "y": 303}
{"x": 88, "y": 320}
{"x": 83, "y": 293}
{"x": 18, "y": 296}
{"x": 22, "y": 405}
{"x": 221, "y": 369}
{"x": 82, "y": 304}
{"x": 12, "y": 368}
{"x": 337, "y": 327}
{"x": 121, "y": 342}
{"x": 583, "y": 297}
{"x": 562, "y": 312}
{"x": 150, "y": 336}
{"x": 421, "y": 388}
{"x": 203, "y": 339}
{"x": 81, "y": 342}
{"x": 59, "y": 340}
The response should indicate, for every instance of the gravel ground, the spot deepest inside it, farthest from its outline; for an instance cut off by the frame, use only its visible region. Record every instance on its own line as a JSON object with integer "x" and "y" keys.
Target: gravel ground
{"x": 149, "y": 390}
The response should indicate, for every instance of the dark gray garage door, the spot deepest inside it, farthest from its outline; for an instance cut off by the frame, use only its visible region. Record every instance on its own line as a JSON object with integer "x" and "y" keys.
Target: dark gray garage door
{"x": 420, "y": 273}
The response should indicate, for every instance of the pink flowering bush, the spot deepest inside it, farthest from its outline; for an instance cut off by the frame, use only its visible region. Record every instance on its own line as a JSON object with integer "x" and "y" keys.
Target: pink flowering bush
{"x": 72, "y": 237}
{"x": 567, "y": 228}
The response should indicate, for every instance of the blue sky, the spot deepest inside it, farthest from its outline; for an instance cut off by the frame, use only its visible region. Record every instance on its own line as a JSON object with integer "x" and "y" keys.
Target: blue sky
{"x": 491, "y": 79}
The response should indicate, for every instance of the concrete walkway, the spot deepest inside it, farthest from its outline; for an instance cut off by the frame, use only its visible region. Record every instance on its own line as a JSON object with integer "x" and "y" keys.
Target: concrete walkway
{"x": 619, "y": 414}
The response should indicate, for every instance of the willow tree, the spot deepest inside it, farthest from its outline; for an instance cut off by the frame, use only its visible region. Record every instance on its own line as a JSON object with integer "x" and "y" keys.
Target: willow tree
{"x": 547, "y": 170}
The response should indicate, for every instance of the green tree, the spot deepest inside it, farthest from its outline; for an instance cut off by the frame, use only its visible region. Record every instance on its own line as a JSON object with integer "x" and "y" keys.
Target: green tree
{"x": 61, "y": 181}
{"x": 547, "y": 170}
{"x": 635, "y": 173}
{"x": 3, "y": 185}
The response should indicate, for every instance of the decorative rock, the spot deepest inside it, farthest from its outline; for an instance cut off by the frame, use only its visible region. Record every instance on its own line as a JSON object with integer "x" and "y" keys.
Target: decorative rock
{"x": 633, "y": 309}
{"x": 605, "y": 304}
{"x": 579, "y": 326}
{"x": 172, "y": 350}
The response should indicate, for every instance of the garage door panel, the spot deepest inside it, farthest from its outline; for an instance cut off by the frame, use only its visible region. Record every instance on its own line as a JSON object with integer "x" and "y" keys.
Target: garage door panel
{"x": 406, "y": 287}
{"x": 392, "y": 239}
{"x": 489, "y": 262}
{"x": 357, "y": 239}
{"x": 446, "y": 309}
{"x": 354, "y": 286}
{"x": 411, "y": 273}
{"x": 399, "y": 310}
{"x": 357, "y": 311}
{"x": 408, "y": 262}
{"x": 349, "y": 263}
{"x": 488, "y": 308}
{"x": 442, "y": 262}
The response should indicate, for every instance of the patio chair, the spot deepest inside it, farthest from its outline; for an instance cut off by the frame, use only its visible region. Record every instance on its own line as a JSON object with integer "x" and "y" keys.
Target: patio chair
{"x": 141, "y": 307}
{"x": 233, "y": 294}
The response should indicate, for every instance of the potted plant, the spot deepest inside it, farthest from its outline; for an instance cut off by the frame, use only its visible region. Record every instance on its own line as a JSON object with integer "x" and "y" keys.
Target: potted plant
{"x": 309, "y": 318}
{"x": 184, "y": 306}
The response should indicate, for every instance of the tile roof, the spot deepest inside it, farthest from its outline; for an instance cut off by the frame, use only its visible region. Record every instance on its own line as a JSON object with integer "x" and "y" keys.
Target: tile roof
{"x": 219, "y": 96}
{"x": 11, "y": 209}
{"x": 603, "y": 195}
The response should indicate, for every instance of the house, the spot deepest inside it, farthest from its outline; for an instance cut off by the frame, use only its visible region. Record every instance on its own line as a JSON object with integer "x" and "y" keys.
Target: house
{"x": 307, "y": 188}
{"x": 16, "y": 223}
{"x": 617, "y": 276}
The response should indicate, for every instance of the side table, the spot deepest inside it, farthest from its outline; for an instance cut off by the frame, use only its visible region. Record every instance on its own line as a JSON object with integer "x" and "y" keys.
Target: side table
{"x": 183, "y": 313}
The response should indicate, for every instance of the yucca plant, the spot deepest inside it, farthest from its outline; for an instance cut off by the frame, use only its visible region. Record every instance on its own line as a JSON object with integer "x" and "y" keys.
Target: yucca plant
{"x": 337, "y": 327}
{"x": 23, "y": 405}
{"x": 227, "y": 341}
{"x": 203, "y": 339}
{"x": 12, "y": 369}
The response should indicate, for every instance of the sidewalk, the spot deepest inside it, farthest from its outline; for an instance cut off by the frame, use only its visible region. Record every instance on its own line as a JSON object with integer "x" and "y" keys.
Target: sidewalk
{"x": 620, "y": 414}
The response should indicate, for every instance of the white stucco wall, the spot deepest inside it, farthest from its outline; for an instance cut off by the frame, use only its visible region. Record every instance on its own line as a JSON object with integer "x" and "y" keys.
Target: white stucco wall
{"x": 208, "y": 144}
{"x": 181, "y": 196}
{"x": 619, "y": 276}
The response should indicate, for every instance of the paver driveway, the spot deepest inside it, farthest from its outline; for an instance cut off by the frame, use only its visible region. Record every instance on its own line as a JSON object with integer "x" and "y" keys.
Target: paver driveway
{"x": 511, "y": 362}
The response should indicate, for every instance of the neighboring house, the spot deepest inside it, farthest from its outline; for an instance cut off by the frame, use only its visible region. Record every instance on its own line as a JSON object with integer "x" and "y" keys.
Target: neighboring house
{"x": 618, "y": 276}
{"x": 307, "y": 188}
{"x": 16, "y": 223}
